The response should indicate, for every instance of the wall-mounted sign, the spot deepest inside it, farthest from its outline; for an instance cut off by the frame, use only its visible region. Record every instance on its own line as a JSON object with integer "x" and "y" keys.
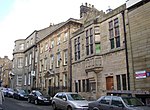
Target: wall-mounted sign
{"x": 32, "y": 73}
{"x": 140, "y": 74}
{"x": 148, "y": 72}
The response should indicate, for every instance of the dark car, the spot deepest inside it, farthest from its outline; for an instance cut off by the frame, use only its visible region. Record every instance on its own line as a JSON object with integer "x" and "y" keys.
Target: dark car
{"x": 10, "y": 92}
{"x": 5, "y": 91}
{"x": 38, "y": 98}
{"x": 20, "y": 94}
{"x": 117, "y": 103}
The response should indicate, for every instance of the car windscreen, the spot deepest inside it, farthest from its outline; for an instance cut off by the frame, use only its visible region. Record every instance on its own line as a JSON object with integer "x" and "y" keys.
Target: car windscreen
{"x": 132, "y": 101}
{"x": 74, "y": 97}
{"x": 22, "y": 92}
{"x": 38, "y": 93}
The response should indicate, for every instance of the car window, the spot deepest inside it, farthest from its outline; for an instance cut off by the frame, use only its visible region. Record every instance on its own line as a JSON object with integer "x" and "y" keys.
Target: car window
{"x": 64, "y": 96}
{"x": 116, "y": 101}
{"x": 59, "y": 96}
{"x": 105, "y": 100}
{"x": 132, "y": 101}
{"x": 74, "y": 97}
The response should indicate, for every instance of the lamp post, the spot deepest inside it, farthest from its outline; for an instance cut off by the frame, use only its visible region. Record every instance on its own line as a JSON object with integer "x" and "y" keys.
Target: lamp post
{"x": 11, "y": 76}
{"x": 1, "y": 68}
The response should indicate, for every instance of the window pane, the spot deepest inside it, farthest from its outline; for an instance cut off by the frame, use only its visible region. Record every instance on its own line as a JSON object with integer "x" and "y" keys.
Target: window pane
{"x": 83, "y": 85}
{"x": 117, "y": 31}
{"x": 110, "y": 24}
{"x": 87, "y": 85}
{"x": 116, "y": 22}
{"x": 91, "y": 48}
{"x": 79, "y": 82}
{"x": 124, "y": 83}
{"x": 97, "y": 48}
{"x": 117, "y": 42}
{"x": 118, "y": 82}
{"x": 112, "y": 43}
{"x": 111, "y": 33}
{"x": 87, "y": 50}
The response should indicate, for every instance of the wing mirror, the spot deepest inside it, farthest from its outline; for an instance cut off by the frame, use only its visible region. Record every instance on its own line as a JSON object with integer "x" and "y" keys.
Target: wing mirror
{"x": 64, "y": 99}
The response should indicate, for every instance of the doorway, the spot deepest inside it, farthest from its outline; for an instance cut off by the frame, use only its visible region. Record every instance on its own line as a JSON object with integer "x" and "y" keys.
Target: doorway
{"x": 109, "y": 83}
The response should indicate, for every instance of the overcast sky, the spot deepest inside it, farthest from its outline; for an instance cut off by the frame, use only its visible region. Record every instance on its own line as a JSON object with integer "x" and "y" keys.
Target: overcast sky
{"x": 19, "y": 18}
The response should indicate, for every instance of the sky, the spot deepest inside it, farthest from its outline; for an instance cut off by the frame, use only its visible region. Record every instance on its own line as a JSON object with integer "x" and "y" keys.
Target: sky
{"x": 19, "y": 18}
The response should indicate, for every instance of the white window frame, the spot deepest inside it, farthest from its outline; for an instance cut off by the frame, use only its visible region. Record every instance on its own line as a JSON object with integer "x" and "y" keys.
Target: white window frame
{"x": 29, "y": 78}
{"x": 46, "y": 46}
{"x": 21, "y": 46}
{"x": 26, "y": 61}
{"x": 52, "y": 44}
{"x": 19, "y": 79}
{"x": 58, "y": 59}
{"x": 36, "y": 56}
{"x": 25, "y": 79}
{"x": 45, "y": 63}
{"x": 65, "y": 57}
{"x": 64, "y": 80}
{"x": 52, "y": 62}
{"x": 58, "y": 39}
{"x": 20, "y": 62}
{"x": 65, "y": 36}
{"x": 30, "y": 59}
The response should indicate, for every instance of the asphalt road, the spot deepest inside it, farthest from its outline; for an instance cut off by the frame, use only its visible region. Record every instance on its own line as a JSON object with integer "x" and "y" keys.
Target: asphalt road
{"x": 13, "y": 104}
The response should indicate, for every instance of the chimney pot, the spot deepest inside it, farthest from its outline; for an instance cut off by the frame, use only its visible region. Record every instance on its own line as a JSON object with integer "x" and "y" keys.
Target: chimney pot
{"x": 89, "y": 5}
{"x": 85, "y": 4}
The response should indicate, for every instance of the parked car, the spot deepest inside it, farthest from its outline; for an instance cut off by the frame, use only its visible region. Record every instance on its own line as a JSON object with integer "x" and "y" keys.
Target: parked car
{"x": 5, "y": 91}
{"x": 38, "y": 98}
{"x": 20, "y": 94}
{"x": 117, "y": 103}
{"x": 10, "y": 92}
{"x": 69, "y": 101}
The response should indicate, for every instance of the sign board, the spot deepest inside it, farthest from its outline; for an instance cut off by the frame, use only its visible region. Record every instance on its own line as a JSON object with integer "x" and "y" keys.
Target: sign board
{"x": 32, "y": 73}
{"x": 148, "y": 73}
{"x": 140, "y": 74}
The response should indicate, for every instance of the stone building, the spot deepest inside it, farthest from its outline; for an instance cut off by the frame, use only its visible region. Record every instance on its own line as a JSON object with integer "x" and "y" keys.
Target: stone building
{"x": 30, "y": 62}
{"x": 98, "y": 54}
{"x": 5, "y": 71}
{"x": 54, "y": 58}
{"x": 138, "y": 46}
{"x": 18, "y": 63}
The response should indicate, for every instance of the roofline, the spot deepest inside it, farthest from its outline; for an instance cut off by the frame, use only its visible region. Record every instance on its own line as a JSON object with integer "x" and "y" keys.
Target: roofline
{"x": 69, "y": 20}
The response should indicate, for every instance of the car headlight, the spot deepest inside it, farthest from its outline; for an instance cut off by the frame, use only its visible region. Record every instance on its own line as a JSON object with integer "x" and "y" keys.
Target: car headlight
{"x": 21, "y": 95}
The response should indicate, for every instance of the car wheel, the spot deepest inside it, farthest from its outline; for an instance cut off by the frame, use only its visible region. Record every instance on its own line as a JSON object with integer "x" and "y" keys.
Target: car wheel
{"x": 69, "y": 108}
{"x": 95, "y": 109}
{"x": 36, "y": 102}
{"x": 29, "y": 100}
{"x": 54, "y": 106}
{"x": 18, "y": 98}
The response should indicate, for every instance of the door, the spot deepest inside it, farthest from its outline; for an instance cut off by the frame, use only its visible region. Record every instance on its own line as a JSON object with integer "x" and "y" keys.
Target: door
{"x": 109, "y": 83}
{"x": 116, "y": 104}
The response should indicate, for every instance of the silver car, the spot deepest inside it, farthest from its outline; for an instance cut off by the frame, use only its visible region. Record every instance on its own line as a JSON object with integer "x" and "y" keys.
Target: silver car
{"x": 69, "y": 101}
{"x": 117, "y": 103}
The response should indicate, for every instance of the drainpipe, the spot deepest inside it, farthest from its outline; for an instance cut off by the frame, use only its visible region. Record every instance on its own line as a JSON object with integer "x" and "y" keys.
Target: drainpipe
{"x": 126, "y": 51}
{"x": 70, "y": 66}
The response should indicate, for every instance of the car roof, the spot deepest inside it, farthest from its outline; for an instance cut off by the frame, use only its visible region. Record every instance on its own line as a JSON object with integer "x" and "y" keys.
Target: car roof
{"x": 67, "y": 93}
{"x": 118, "y": 96}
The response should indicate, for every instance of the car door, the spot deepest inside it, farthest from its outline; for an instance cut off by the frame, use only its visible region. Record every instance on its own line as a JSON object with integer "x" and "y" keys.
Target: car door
{"x": 58, "y": 100}
{"x": 116, "y": 104}
{"x": 32, "y": 96}
{"x": 64, "y": 102}
{"x": 104, "y": 103}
